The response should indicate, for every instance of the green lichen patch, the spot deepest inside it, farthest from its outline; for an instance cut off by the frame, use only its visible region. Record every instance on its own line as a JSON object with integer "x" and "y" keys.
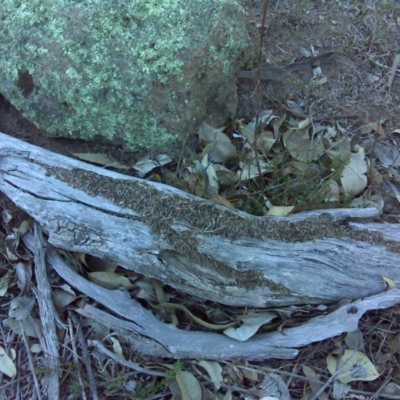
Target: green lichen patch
{"x": 139, "y": 73}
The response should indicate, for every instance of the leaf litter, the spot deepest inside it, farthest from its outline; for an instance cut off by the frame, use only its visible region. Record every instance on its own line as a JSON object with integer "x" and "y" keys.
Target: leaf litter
{"x": 234, "y": 153}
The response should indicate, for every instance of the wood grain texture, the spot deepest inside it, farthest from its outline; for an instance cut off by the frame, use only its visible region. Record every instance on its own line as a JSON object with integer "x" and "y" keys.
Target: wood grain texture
{"x": 184, "y": 241}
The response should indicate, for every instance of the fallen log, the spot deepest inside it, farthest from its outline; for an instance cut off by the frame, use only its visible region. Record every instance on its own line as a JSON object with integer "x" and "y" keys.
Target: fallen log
{"x": 197, "y": 246}
{"x": 147, "y": 335}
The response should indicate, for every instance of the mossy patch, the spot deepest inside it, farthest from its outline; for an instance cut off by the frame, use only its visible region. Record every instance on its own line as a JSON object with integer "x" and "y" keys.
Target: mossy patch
{"x": 117, "y": 70}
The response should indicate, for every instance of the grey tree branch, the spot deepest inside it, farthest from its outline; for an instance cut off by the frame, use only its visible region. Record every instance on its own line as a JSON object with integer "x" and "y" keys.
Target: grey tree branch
{"x": 194, "y": 245}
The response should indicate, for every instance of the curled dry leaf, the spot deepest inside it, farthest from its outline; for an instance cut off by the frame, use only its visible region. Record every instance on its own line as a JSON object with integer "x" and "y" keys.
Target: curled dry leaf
{"x": 147, "y": 164}
{"x": 265, "y": 142}
{"x": 117, "y": 347}
{"x": 300, "y": 147}
{"x": 62, "y": 298}
{"x": 250, "y": 169}
{"x": 354, "y": 179}
{"x": 213, "y": 181}
{"x": 390, "y": 284}
{"x": 250, "y": 326}
{"x": 221, "y": 149}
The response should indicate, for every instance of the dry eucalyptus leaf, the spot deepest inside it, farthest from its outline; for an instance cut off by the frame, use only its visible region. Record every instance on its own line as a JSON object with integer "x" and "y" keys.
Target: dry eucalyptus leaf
{"x": 265, "y": 142}
{"x": 145, "y": 165}
{"x": 24, "y": 274}
{"x": 340, "y": 150}
{"x": 248, "y": 131}
{"x": 146, "y": 291}
{"x": 332, "y": 192}
{"x": 280, "y": 211}
{"x": 391, "y": 389}
{"x": 274, "y": 387}
{"x": 340, "y": 390}
{"x": 21, "y": 307}
{"x": 31, "y": 326}
{"x": 355, "y": 340}
{"x": 387, "y": 153}
{"x": 314, "y": 382}
{"x": 228, "y": 394}
{"x": 214, "y": 370}
{"x": 305, "y": 52}
{"x": 226, "y": 177}
{"x": 393, "y": 71}
{"x": 304, "y": 123}
{"x": 4, "y": 281}
{"x": 250, "y": 374}
{"x": 352, "y": 366}
{"x": 221, "y": 149}
{"x": 189, "y": 386}
{"x": 250, "y": 170}
{"x": 390, "y": 284}
{"x": 67, "y": 289}
{"x": 318, "y": 81}
{"x": 36, "y": 348}
{"x": 300, "y": 147}
{"x": 117, "y": 347}
{"x": 211, "y": 173}
{"x": 375, "y": 201}
{"x": 250, "y": 326}
{"x": 7, "y": 365}
{"x": 353, "y": 178}
{"x": 62, "y": 298}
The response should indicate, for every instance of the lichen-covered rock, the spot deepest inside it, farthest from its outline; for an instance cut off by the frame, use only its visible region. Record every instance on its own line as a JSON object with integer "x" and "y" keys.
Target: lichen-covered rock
{"x": 142, "y": 73}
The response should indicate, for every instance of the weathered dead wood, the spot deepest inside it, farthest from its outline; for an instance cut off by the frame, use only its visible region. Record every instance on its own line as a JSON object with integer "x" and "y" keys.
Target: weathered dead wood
{"x": 149, "y": 336}
{"x": 195, "y": 245}
{"x": 48, "y": 317}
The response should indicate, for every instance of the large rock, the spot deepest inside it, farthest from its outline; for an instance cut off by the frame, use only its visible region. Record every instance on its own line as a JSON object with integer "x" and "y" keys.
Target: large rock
{"x": 140, "y": 72}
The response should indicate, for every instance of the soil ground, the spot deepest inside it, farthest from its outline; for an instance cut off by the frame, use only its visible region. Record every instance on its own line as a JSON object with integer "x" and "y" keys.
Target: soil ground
{"x": 365, "y": 36}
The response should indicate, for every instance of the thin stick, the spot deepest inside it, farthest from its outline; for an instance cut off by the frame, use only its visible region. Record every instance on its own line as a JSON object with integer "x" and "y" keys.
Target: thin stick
{"x": 258, "y": 88}
{"x": 76, "y": 359}
{"x": 85, "y": 357}
{"x": 100, "y": 346}
{"x": 31, "y": 365}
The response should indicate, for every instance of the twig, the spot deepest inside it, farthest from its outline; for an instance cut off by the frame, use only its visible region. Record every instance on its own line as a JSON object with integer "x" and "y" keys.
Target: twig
{"x": 31, "y": 365}
{"x": 319, "y": 119}
{"x": 124, "y": 362}
{"x": 48, "y": 315}
{"x": 257, "y": 130}
{"x": 85, "y": 356}
{"x": 76, "y": 359}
